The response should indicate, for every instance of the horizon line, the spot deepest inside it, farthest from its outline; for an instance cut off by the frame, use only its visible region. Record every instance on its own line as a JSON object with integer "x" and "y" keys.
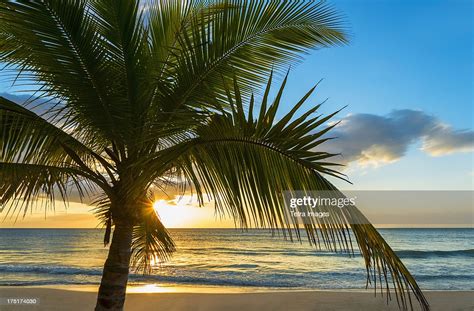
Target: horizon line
{"x": 240, "y": 229}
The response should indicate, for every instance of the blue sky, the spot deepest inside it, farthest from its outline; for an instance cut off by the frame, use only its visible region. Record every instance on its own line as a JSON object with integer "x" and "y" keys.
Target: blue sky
{"x": 402, "y": 54}
{"x": 415, "y": 55}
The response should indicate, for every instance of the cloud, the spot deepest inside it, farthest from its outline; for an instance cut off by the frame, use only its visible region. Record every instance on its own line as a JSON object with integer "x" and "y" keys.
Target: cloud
{"x": 19, "y": 99}
{"x": 370, "y": 139}
{"x": 445, "y": 140}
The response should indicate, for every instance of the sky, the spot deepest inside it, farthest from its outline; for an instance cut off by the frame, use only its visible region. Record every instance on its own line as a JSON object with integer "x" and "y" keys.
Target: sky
{"x": 407, "y": 78}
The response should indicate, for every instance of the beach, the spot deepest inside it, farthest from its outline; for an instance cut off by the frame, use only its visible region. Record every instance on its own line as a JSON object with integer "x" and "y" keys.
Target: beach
{"x": 75, "y": 300}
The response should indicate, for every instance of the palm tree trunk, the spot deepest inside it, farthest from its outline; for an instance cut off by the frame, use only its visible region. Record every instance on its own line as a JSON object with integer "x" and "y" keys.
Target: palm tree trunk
{"x": 115, "y": 275}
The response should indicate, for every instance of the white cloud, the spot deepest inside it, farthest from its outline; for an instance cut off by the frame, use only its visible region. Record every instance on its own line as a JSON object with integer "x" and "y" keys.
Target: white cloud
{"x": 373, "y": 140}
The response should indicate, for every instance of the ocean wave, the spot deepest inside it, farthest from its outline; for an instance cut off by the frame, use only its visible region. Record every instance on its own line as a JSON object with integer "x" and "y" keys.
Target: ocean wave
{"x": 325, "y": 253}
{"x": 436, "y": 253}
{"x": 241, "y": 266}
{"x": 46, "y": 282}
{"x": 265, "y": 252}
{"x": 430, "y": 277}
{"x": 49, "y": 270}
{"x": 283, "y": 279}
{"x": 225, "y": 281}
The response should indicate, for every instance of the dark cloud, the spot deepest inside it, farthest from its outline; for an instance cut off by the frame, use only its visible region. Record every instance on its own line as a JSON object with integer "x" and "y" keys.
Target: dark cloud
{"x": 375, "y": 139}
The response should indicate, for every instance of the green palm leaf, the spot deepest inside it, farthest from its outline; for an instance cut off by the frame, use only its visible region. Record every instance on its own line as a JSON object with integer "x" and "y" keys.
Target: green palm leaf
{"x": 246, "y": 164}
{"x": 152, "y": 243}
{"x": 39, "y": 160}
{"x": 26, "y": 184}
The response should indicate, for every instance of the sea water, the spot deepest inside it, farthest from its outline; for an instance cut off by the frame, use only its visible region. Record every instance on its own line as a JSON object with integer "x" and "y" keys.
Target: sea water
{"x": 440, "y": 259}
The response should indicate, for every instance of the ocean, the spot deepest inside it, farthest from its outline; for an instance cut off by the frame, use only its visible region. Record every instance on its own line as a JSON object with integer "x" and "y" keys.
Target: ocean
{"x": 440, "y": 259}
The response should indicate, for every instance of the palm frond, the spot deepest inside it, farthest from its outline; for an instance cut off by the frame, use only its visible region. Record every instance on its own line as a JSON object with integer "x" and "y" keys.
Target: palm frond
{"x": 22, "y": 185}
{"x": 247, "y": 163}
{"x": 383, "y": 264}
{"x": 152, "y": 243}
{"x": 57, "y": 44}
{"x": 102, "y": 211}
{"x": 247, "y": 38}
{"x": 124, "y": 34}
{"x": 39, "y": 160}
{"x": 27, "y": 137}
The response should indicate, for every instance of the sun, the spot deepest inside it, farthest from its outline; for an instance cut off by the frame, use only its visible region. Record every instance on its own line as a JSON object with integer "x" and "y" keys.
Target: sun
{"x": 170, "y": 214}
{"x": 183, "y": 214}
{"x": 159, "y": 204}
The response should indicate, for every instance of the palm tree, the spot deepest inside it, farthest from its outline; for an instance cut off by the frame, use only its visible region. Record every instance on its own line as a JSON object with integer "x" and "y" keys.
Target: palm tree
{"x": 135, "y": 96}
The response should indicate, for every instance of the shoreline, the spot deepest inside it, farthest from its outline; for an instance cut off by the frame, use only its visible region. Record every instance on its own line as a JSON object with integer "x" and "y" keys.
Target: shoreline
{"x": 151, "y": 288}
{"x": 78, "y": 298}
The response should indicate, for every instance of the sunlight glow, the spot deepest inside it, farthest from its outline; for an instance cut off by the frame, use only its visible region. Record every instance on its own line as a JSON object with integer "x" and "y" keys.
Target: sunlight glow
{"x": 168, "y": 288}
{"x": 184, "y": 212}
{"x": 173, "y": 215}
{"x": 150, "y": 288}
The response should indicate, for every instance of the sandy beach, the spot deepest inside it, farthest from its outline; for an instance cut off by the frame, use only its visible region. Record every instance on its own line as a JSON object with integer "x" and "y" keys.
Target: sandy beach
{"x": 75, "y": 300}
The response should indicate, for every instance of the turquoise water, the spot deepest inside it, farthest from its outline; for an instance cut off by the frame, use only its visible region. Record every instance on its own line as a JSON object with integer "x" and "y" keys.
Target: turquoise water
{"x": 438, "y": 258}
